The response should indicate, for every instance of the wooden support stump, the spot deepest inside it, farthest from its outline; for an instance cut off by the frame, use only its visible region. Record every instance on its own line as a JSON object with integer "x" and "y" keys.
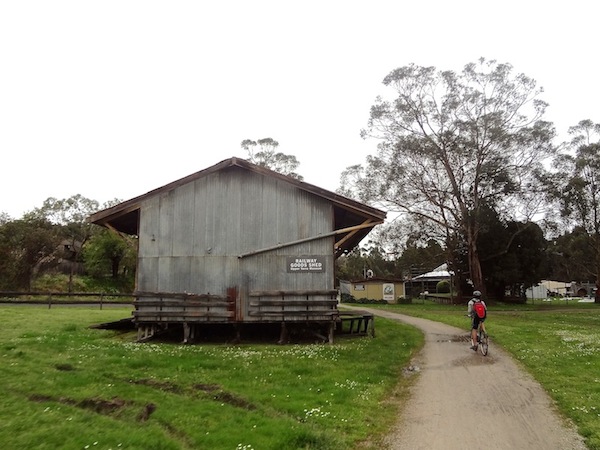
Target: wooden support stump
{"x": 283, "y": 337}
{"x": 331, "y": 332}
{"x": 186, "y": 332}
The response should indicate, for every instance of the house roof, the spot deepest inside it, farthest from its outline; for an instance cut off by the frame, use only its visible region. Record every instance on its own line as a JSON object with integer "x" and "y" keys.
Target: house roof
{"x": 439, "y": 273}
{"x": 353, "y": 220}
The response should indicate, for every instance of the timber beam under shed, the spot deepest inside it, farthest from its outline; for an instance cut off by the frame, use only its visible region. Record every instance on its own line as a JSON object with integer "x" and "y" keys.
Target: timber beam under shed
{"x": 349, "y": 231}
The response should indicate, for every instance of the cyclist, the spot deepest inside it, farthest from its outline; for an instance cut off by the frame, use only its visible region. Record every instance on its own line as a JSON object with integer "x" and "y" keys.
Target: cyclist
{"x": 477, "y": 310}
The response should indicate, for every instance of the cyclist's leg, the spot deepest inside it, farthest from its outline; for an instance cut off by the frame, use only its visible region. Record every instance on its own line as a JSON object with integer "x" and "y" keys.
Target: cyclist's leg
{"x": 474, "y": 327}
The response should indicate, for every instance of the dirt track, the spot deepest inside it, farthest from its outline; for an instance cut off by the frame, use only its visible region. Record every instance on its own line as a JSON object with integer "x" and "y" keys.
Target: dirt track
{"x": 463, "y": 400}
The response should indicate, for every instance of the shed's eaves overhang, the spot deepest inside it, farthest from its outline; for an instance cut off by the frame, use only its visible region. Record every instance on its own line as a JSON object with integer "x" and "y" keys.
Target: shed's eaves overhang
{"x": 353, "y": 220}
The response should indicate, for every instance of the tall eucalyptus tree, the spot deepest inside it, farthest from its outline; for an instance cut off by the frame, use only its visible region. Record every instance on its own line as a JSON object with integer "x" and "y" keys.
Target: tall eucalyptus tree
{"x": 70, "y": 214}
{"x": 451, "y": 144}
{"x": 264, "y": 152}
{"x": 577, "y": 188}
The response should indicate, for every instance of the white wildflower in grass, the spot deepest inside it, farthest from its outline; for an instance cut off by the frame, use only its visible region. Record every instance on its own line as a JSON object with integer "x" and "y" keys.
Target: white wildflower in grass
{"x": 529, "y": 353}
{"x": 578, "y": 343}
{"x": 364, "y": 395}
{"x": 583, "y": 409}
{"x": 244, "y": 447}
{"x": 348, "y": 384}
{"x": 315, "y": 412}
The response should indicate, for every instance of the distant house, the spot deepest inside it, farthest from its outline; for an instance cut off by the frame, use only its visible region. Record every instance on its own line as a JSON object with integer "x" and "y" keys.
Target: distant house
{"x": 427, "y": 282}
{"x": 562, "y": 289}
{"x": 237, "y": 243}
{"x": 388, "y": 289}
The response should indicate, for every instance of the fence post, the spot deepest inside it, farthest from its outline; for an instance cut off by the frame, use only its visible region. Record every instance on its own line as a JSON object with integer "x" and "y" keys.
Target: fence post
{"x": 101, "y": 299}
{"x": 49, "y": 301}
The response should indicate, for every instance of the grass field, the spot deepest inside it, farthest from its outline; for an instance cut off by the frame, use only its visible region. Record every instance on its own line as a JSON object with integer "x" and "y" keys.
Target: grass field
{"x": 557, "y": 342}
{"x": 66, "y": 386}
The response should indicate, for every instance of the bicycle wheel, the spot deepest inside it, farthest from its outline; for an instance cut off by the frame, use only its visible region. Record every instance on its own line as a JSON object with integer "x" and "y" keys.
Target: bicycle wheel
{"x": 483, "y": 342}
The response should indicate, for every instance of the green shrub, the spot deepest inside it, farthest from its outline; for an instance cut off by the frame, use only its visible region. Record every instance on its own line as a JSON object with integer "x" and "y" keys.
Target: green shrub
{"x": 347, "y": 298}
{"x": 443, "y": 287}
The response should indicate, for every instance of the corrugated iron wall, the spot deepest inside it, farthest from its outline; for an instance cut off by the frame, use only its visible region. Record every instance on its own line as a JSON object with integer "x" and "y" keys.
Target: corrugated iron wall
{"x": 191, "y": 238}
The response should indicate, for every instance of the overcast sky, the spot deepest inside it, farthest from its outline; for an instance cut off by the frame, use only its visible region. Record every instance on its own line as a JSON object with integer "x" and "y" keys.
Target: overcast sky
{"x": 111, "y": 99}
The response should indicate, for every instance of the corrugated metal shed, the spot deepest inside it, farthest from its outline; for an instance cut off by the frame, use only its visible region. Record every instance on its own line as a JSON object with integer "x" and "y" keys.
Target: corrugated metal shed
{"x": 238, "y": 243}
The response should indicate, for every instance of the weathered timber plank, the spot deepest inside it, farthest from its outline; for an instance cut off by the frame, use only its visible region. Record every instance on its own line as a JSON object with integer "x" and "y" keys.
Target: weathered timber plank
{"x": 312, "y": 313}
{"x": 191, "y": 314}
{"x": 291, "y": 293}
{"x": 179, "y": 295}
{"x": 182, "y": 303}
{"x": 294, "y": 303}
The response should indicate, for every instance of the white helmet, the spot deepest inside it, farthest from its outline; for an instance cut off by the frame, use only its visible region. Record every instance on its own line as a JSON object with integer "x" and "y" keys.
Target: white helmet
{"x": 476, "y": 293}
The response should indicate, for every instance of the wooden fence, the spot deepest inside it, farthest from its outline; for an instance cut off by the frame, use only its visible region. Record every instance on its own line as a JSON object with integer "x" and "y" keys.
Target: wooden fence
{"x": 66, "y": 298}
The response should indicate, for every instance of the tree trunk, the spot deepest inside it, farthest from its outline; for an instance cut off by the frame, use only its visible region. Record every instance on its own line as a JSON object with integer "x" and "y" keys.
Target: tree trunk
{"x": 115, "y": 262}
{"x": 597, "y": 249}
{"x": 475, "y": 264}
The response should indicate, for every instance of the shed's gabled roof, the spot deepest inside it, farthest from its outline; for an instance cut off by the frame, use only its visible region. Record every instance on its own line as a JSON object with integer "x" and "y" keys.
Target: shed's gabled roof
{"x": 353, "y": 220}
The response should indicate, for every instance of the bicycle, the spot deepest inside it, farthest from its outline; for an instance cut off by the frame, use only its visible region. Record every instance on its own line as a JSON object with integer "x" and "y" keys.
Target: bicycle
{"x": 483, "y": 340}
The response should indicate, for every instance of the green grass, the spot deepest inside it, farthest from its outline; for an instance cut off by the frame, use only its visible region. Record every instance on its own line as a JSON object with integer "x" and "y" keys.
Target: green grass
{"x": 64, "y": 385}
{"x": 557, "y": 342}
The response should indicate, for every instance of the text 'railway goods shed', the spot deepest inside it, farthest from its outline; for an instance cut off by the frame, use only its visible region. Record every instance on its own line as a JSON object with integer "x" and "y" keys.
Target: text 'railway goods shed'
{"x": 238, "y": 243}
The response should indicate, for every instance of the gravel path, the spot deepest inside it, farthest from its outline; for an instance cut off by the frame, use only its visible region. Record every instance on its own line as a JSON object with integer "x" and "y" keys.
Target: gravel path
{"x": 463, "y": 400}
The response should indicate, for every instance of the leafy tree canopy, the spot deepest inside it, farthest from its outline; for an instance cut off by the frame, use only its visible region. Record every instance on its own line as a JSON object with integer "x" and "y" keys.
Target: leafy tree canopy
{"x": 575, "y": 186}
{"x": 23, "y": 243}
{"x": 75, "y": 209}
{"x": 108, "y": 253}
{"x": 453, "y": 143}
{"x": 264, "y": 153}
